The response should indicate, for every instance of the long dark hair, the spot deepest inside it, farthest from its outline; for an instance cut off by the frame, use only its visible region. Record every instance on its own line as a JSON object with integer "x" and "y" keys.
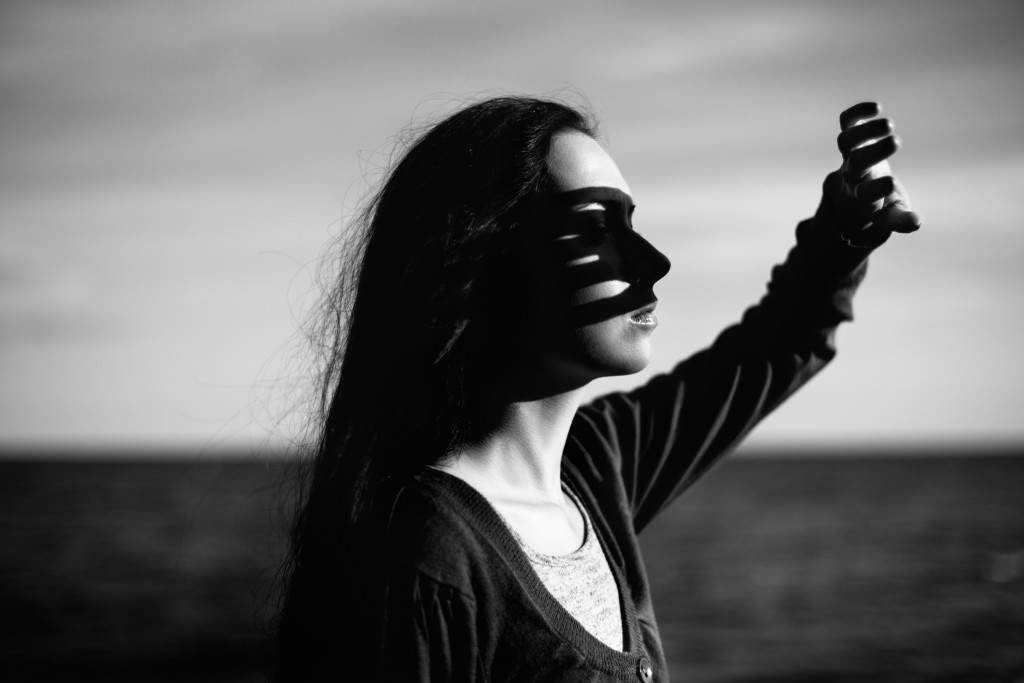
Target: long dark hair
{"x": 405, "y": 359}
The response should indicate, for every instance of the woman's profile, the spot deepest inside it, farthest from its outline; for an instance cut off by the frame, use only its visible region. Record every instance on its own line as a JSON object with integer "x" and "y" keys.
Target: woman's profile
{"x": 466, "y": 517}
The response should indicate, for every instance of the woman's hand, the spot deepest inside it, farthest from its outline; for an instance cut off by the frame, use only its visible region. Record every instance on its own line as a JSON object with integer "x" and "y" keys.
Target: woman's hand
{"x": 869, "y": 201}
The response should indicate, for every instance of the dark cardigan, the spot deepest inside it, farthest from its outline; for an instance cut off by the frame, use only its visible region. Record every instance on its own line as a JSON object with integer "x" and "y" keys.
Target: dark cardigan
{"x": 463, "y": 603}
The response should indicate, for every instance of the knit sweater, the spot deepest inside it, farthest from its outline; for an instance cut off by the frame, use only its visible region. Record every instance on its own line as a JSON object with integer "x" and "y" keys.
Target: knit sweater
{"x": 462, "y": 601}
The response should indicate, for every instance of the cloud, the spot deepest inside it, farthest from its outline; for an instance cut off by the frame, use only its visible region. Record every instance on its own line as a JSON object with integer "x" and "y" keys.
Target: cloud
{"x": 169, "y": 169}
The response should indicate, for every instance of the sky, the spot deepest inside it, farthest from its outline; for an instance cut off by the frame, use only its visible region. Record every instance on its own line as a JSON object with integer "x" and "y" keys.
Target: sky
{"x": 171, "y": 174}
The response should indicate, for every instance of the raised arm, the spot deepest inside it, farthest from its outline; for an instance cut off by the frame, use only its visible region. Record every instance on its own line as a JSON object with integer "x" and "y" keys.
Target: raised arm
{"x": 664, "y": 435}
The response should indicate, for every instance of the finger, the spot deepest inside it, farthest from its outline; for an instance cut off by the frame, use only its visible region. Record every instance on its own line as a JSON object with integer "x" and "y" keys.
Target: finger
{"x": 857, "y": 113}
{"x": 874, "y": 190}
{"x": 897, "y": 218}
{"x": 855, "y": 136}
{"x": 863, "y": 158}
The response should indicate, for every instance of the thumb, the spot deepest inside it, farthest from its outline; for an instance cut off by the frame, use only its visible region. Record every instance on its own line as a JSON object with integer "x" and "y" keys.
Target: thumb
{"x": 897, "y": 217}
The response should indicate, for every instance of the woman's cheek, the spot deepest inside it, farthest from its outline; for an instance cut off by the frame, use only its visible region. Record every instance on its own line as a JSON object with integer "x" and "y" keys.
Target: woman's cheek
{"x": 596, "y": 292}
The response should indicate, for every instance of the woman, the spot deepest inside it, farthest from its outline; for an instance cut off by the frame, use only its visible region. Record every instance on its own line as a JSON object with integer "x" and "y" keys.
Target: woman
{"x": 465, "y": 518}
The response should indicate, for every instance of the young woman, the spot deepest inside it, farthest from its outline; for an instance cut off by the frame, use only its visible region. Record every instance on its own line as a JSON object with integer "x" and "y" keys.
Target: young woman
{"x": 465, "y": 518}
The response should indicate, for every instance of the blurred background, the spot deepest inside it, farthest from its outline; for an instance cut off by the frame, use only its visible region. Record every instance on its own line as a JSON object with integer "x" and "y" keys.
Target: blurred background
{"x": 171, "y": 174}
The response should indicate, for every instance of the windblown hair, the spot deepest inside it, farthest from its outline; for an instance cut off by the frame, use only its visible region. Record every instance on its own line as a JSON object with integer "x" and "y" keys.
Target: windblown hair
{"x": 401, "y": 385}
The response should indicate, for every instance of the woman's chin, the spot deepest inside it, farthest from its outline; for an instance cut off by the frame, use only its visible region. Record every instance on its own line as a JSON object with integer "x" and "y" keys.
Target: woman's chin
{"x": 618, "y": 347}
{"x": 622, "y": 359}
{"x": 633, "y": 364}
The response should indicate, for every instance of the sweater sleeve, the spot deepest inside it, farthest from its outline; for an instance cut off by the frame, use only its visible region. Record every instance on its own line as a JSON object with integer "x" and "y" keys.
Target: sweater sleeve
{"x": 429, "y": 633}
{"x": 661, "y": 437}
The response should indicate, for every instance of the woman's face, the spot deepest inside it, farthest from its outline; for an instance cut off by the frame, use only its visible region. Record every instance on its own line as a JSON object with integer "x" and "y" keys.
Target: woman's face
{"x": 593, "y": 311}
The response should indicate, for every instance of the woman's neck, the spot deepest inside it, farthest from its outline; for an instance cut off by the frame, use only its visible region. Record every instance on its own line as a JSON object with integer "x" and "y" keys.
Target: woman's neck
{"x": 521, "y": 457}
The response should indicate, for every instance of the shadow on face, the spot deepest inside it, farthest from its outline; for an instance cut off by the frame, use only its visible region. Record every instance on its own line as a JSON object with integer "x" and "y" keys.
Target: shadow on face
{"x": 575, "y": 298}
{"x": 603, "y": 267}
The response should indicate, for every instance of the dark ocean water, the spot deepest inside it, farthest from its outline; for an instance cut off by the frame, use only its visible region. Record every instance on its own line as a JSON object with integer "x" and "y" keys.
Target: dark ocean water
{"x": 769, "y": 570}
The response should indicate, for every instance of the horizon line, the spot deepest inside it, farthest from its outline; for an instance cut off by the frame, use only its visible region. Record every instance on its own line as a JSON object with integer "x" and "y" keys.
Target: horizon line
{"x": 797, "y": 450}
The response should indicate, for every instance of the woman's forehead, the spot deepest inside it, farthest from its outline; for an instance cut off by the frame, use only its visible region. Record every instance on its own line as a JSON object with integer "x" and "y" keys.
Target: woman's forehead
{"x": 575, "y": 160}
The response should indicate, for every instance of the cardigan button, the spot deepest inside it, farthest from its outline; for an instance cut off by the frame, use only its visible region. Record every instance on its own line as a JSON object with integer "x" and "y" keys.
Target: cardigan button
{"x": 643, "y": 670}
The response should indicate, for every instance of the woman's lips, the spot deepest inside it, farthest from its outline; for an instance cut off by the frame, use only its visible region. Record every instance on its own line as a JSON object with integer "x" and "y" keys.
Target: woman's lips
{"x": 645, "y": 317}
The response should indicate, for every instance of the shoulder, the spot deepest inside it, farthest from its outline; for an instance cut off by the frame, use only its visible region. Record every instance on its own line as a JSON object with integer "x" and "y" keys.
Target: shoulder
{"x": 601, "y": 432}
{"x": 439, "y": 531}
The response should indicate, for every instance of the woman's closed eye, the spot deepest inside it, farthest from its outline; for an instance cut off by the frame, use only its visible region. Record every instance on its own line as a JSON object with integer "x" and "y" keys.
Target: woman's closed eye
{"x": 593, "y": 224}
{"x": 597, "y": 216}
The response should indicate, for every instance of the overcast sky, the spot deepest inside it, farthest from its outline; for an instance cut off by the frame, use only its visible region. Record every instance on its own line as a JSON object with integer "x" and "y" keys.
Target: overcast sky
{"x": 170, "y": 173}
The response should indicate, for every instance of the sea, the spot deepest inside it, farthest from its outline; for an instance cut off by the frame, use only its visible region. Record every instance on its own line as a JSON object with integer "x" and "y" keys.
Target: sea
{"x": 842, "y": 567}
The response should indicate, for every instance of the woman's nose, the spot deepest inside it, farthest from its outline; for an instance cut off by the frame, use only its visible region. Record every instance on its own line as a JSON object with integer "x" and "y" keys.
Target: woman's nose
{"x": 645, "y": 263}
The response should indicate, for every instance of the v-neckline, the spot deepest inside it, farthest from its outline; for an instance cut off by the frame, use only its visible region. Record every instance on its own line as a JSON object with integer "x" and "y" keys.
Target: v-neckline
{"x": 477, "y": 507}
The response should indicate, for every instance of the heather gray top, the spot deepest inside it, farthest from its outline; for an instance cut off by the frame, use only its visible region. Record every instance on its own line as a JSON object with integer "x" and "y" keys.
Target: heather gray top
{"x": 582, "y": 582}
